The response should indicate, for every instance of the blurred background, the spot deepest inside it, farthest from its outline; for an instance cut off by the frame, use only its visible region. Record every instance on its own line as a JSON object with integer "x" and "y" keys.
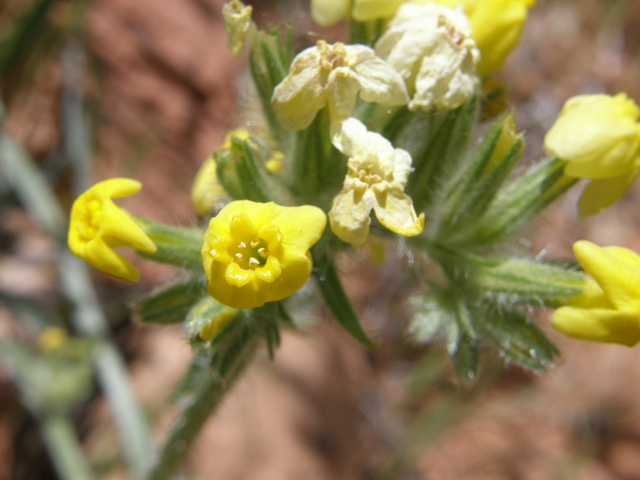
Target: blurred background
{"x": 147, "y": 89}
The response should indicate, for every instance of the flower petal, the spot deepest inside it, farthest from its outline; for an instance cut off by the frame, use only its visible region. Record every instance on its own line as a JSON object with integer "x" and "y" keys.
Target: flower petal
{"x": 598, "y": 325}
{"x": 349, "y": 216}
{"x": 99, "y": 255}
{"x": 395, "y": 211}
{"x": 619, "y": 281}
{"x": 602, "y": 193}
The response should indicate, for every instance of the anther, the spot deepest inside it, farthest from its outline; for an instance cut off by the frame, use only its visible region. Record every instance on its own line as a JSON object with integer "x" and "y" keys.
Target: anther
{"x": 242, "y": 245}
{"x": 254, "y": 243}
{"x": 262, "y": 252}
{"x": 253, "y": 261}
{"x": 238, "y": 256}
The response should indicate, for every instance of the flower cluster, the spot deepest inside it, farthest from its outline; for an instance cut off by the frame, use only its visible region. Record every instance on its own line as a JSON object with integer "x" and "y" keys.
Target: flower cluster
{"x": 384, "y": 127}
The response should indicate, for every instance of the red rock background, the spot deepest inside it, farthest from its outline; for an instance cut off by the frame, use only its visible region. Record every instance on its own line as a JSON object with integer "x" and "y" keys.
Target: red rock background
{"x": 162, "y": 92}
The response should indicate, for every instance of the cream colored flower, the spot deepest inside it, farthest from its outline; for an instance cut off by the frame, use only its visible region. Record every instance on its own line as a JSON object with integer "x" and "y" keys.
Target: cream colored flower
{"x": 377, "y": 175}
{"x": 332, "y": 76}
{"x": 238, "y": 24}
{"x": 431, "y": 47}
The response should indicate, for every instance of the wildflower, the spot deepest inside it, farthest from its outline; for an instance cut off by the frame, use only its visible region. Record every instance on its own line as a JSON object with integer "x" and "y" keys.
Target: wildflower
{"x": 332, "y": 75}
{"x": 377, "y": 175}
{"x": 97, "y": 225}
{"x": 599, "y": 138}
{"x": 206, "y": 191}
{"x": 432, "y": 49}
{"x": 328, "y": 12}
{"x": 496, "y": 26}
{"x": 259, "y": 252}
{"x": 609, "y": 309}
{"x": 238, "y": 24}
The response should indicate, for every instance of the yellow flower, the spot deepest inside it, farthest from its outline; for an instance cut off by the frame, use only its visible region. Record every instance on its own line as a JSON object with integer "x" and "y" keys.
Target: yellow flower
{"x": 328, "y": 12}
{"x": 377, "y": 175}
{"x": 497, "y": 26}
{"x": 206, "y": 191}
{"x": 332, "y": 75}
{"x": 365, "y": 10}
{"x": 599, "y": 138}
{"x": 238, "y": 24}
{"x": 259, "y": 252}
{"x": 97, "y": 225}
{"x": 432, "y": 49}
{"x": 609, "y": 309}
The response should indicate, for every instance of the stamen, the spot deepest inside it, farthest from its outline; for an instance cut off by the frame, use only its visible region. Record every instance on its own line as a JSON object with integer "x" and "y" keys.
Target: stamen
{"x": 253, "y": 261}
{"x": 262, "y": 252}
{"x": 238, "y": 256}
{"x": 242, "y": 245}
{"x": 255, "y": 243}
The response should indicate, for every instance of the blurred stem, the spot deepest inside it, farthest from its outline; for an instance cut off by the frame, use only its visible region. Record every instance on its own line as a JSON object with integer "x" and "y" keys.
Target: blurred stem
{"x": 227, "y": 364}
{"x": 65, "y": 449}
{"x": 76, "y": 135}
{"x": 37, "y": 197}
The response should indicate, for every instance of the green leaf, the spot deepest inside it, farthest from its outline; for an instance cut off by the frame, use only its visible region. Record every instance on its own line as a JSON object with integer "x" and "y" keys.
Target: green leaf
{"x": 440, "y": 154}
{"x": 520, "y": 339}
{"x": 330, "y": 287}
{"x": 516, "y": 204}
{"x": 465, "y": 359}
{"x": 170, "y": 304}
{"x": 241, "y": 171}
{"x": 524, "y": 280}
{"x": 178, "y": 246}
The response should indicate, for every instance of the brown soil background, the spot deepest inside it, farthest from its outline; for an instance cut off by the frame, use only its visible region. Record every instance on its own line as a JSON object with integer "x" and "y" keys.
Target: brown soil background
{"x": 168, "y": 90}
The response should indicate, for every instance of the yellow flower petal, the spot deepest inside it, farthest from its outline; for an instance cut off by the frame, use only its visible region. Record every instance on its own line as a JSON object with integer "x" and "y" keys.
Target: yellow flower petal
{"x": 350, "y": 216}
{"x": 619, "y": 280}
{"x": 267, "y": 256}
{"x": 609, "y": 308}
{"x": 610, "y": 326}
{"x": 365, "y": 10}
{"x": 603, "y": 193}
{"x": 97, "y": 225}
{"x": 328, "y": 12}
{"x": 395, "y": 211}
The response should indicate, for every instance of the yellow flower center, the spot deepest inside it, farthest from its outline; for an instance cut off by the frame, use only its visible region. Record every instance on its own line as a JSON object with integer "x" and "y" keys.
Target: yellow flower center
{"x": 249, "y": 253}
{"x": 252, "y": 252}
{"x": 89, "y": 220}
{"x": 331, "y": 56}
{"x": 369, "y": 175}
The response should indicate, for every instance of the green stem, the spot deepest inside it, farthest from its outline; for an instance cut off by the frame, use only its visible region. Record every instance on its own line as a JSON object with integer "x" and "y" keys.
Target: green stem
{"x": 66, "y": 452}
{"x": 227, "y": 364}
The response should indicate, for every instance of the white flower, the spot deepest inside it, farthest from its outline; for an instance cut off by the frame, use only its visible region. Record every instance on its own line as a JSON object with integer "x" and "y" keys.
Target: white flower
{"x": 376, "y": 177}
{"x": 431, "y": 47}
{"x": 332, "y": 75}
